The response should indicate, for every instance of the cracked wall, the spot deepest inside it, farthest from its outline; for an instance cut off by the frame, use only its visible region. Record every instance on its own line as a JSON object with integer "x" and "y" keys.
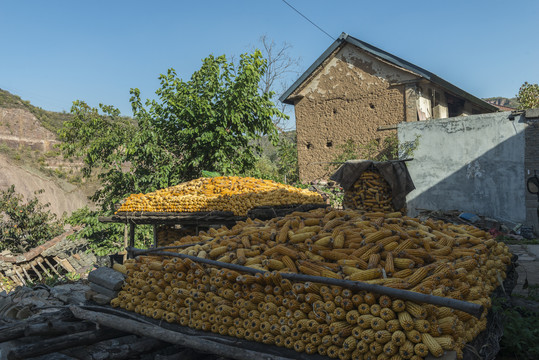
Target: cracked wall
{"x": 350, "y": 98}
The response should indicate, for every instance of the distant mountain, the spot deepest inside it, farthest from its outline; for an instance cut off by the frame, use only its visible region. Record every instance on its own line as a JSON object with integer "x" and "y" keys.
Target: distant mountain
{"x": 50, "y": 120}
{"x": 502, "y": 101}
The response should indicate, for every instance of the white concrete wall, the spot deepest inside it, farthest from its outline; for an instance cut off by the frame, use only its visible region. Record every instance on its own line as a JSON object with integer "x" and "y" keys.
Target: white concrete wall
{"x": 469, "y": 163}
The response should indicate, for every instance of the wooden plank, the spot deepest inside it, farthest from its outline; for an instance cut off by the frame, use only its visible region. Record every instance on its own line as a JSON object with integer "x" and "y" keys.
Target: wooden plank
{"x": 65, "y": 264}
{"x": 40, "y": 264}
{"x": 52, "y": 267}
{"x": 126, "y": 240}
{"x": 25, "y": 272}
{"x": 36, "y": 271}
{"x": 131, "y": 239}
{"x": 23, "y": 282}
{"x": 157, "y": 332}
{"x": 59, "y": 343}
{"x": 16, "y": 280}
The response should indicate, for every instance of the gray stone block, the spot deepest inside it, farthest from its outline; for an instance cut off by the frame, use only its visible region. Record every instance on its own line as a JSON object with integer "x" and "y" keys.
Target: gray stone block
{"x": 107, "y": 278}
{"x": 103, "y": 291}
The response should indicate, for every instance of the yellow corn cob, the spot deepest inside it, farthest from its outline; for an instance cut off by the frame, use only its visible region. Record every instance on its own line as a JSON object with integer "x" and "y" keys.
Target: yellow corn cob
{"x": 382, "y": 336}
{"x": 390, "y": 349}
{"x": 403, "y": 263}
{"x": 299, "y": 238}
{"x": 338, "y": 241}
{"x": 378, "y": 235}
{"x": 405, "y": 320}
{"x": 289, "y": 263}
{"x": 374, "y": 259}
{"x": 363, "y": 275}
{"x": 218, "y": 251}
{"x": 406, "y": 350}
{"x": 434, "y": 347}
{"x": 420, "y": 349}
{"x": 417, "y": 276}
{"x": 416, "y": 310}
{"x": 393, "y": 325}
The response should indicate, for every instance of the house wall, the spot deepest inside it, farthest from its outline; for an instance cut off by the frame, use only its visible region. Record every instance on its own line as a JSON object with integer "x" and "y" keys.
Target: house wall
{"x": 349, "y": 99}
{"x": 473, "y": 164}
{"x": 531, "y": 163}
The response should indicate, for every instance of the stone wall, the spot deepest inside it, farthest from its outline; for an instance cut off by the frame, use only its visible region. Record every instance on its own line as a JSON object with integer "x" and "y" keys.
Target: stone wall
{"x": 473, "y": 164}
{"x": 350, "y": 98}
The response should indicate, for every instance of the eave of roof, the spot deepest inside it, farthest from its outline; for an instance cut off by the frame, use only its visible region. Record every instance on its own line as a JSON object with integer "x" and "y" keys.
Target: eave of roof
{"x": 345, "y": 38}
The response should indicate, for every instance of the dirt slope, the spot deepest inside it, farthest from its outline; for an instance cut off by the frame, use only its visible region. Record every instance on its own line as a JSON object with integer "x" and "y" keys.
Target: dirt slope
{"x": 62, "y": 196}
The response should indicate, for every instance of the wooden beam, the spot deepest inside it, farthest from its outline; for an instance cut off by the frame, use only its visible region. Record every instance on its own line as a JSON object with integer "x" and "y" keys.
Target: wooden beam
{"x": 40, "y": 263}
{"x": 169, "y": 336}
{"x": 154, "y": 235}
{"x": 35, "y": 270}
{"x": 65, "y": 264}
{"x": 131, "y": 239}
{"x": 62, "y": 342}
{"x": 52, "y": 267}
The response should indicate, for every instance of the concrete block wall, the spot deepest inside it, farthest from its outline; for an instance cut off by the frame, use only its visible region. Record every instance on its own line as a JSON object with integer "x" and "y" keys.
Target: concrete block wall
{"x": 470, "y": 163}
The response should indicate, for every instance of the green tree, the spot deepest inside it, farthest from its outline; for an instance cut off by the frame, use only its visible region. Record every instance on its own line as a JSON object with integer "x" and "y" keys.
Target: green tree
{"x": 24, "y": 225}
{"x": 528, "y": 96}
{"x": 207, "y": 123}
{"x": 287, "y": 163}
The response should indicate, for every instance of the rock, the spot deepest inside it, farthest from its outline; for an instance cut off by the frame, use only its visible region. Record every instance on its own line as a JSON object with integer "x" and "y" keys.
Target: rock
{"x": 101, "y": 299}
{"x": 70, "y": 293}
{"x": 107, "y": 278}
{"x": 103, "y": 291}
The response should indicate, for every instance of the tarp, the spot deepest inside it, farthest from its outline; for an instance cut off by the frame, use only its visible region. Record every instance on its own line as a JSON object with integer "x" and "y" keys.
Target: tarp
{"x": 394, "y": 172}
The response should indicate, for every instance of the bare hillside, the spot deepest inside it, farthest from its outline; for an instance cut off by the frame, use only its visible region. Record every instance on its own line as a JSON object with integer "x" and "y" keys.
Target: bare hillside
{"x": 30, "y": 160}
{"x": 62, "y": 196}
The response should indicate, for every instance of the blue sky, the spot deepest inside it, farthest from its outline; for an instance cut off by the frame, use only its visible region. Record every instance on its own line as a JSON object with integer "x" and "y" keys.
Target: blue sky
{"x": 55, "y": 52}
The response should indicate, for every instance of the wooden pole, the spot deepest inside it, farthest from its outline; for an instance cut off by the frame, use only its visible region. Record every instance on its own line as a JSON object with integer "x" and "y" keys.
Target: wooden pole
{"x": 169, "y": 336}
{"x": 62, "y": 342}
{"x": 35, "y": 270}
{"x": 131, "y": 239}
{"x": 126, "y": 240}
{"x": 470, "y": 308}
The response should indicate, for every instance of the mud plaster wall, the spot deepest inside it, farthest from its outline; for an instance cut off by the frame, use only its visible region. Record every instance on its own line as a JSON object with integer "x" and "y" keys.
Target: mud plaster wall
{"x": 349, "y": 99}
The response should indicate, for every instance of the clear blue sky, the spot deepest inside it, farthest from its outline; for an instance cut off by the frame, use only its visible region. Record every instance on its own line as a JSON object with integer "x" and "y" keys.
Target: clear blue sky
{"x": 54, "y": 52}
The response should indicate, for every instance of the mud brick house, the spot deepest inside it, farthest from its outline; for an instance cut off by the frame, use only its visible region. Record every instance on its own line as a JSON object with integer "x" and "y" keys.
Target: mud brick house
{"x": 359, "y": 92}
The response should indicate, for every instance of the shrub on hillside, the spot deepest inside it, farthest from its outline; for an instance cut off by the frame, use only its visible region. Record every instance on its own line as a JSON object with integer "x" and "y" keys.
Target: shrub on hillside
{"x": 24, "y": 225}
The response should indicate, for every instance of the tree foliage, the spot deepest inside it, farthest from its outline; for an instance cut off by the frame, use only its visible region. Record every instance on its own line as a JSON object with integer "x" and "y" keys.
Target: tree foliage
{"x": 24, "y": 225}
{"x": 205, "y": 123}
{"x": 528, "y": 96}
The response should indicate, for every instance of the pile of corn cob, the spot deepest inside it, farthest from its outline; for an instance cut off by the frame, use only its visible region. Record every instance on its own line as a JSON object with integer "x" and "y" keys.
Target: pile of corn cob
{"x": 166, "y": 234}
{"x": 224, "y": 193}
{"x": 431, "y": 257}
{"x": 370, "y": 192}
